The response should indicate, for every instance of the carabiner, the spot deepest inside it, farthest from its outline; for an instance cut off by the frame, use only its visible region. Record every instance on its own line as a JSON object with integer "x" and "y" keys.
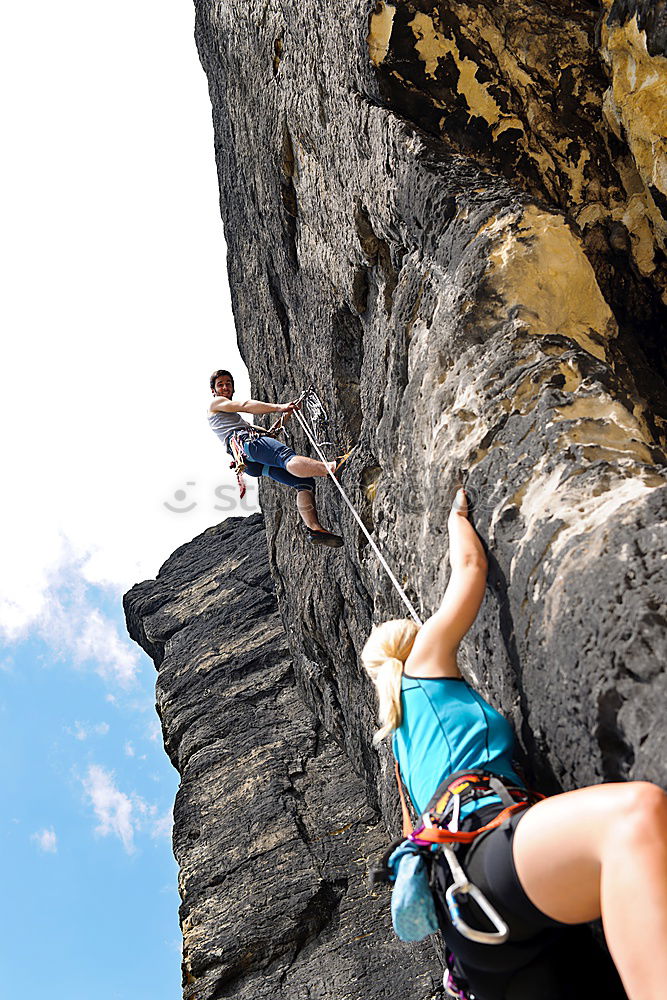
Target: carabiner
{"x": 461, "y": 886}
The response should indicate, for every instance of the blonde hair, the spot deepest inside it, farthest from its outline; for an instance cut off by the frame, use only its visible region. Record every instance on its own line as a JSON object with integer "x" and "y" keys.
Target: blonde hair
{"x": 386, "y": 650}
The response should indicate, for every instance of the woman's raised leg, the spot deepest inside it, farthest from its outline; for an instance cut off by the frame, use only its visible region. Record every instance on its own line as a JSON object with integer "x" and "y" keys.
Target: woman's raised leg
{"x": 602, "y": 851}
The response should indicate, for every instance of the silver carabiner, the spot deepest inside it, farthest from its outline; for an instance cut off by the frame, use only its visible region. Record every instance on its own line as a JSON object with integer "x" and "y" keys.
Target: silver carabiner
{"x": 461, "y": 886}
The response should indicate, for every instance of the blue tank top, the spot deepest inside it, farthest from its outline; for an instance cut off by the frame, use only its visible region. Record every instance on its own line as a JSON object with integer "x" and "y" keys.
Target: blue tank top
{"x": 446, "y": 727}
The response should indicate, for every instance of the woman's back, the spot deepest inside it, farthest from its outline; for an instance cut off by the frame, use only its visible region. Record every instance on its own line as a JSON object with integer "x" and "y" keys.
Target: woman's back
{"x": 447, "y": 726}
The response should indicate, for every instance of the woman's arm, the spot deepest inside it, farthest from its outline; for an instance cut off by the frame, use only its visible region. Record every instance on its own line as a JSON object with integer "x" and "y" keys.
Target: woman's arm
{"x": 434, "y": 651}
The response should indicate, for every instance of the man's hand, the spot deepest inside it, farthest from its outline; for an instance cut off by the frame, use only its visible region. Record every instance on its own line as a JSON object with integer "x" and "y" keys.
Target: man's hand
{"x": 289, "y": 408}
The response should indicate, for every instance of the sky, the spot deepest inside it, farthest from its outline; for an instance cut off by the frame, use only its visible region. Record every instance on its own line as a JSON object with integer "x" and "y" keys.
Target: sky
{"x": 115, "y": 309}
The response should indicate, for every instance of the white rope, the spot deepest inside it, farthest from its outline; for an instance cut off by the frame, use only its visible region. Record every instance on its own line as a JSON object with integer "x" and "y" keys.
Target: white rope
{"x": 404, "y": 597}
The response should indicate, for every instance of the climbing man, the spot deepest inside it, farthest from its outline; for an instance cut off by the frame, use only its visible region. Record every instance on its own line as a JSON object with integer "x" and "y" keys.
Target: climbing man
{"x": 262, "y": 454}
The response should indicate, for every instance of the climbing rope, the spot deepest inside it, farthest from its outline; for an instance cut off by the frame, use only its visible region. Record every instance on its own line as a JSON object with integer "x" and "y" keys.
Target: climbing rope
{"x": 317, "y": 407}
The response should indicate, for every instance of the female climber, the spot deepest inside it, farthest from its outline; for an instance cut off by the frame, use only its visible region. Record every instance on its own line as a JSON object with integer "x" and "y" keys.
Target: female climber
{"x": 569, "y": 859}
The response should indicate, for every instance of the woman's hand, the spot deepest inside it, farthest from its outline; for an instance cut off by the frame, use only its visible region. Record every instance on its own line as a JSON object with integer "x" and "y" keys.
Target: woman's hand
{"x": 460, "y": 505}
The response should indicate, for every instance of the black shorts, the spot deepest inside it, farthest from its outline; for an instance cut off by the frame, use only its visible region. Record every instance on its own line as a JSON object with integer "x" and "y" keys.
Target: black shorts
{"x": 526, "y": 966}
{"x": 543, "y": 959}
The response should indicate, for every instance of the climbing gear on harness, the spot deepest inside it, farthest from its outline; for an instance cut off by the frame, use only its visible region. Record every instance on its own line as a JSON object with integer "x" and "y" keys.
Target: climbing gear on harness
{"x": 442, "y": 803}
{"x": 457, "y": 791}
{"x": 313, "y": 405}
{"x": 440, "y": 827}
{"x": 250, "y": 433}
{"x": 459, "y": 889}
{"x": 235, "y": 447}
{"x": 412, "y": 907}
{"x": 438, "y": 835}
{"x": 439, "y": 822}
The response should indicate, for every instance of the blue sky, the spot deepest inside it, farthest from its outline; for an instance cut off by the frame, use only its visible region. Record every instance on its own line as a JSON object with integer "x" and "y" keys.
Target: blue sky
{"x": 117, "y": 309}
{"x": 90, "y": 902}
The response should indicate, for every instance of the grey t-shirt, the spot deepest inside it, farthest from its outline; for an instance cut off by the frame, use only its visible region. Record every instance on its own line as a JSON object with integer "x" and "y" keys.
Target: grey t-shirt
{"x": 224, "y": 424}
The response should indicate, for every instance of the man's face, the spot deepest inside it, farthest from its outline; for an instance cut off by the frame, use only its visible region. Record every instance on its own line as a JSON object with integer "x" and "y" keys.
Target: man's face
{"x": 224, "y": 387}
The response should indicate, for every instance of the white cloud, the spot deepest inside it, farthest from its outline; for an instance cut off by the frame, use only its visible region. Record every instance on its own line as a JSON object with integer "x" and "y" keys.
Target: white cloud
{"x": 25, "y": 575}
{"x": 78, "y": 632}
{"x": 163, "y": 826}
{"x": 115, "y": 810}
{"x": 100, "y": 642}
{"x": 154, "y": 730}
{"x": 46, "y": 840}
{"x": 82, "y": 731}
{"x": 129, "y": 749}
{"x": 120, "y": 814}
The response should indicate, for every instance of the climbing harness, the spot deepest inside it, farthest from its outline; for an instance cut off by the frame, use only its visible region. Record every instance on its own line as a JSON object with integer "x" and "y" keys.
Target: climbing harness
{"x": 438, "y": 835}
{"x": 235, "y": 447}
{"x": 314, "y": 407}
{"x": 439, "y": 822}
{"x": 440, "y": 827}
{"x": 238, "y": 438}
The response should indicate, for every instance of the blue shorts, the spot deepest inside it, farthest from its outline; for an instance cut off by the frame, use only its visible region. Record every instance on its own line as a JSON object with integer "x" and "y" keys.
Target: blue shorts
{"x": 268, "y": 457}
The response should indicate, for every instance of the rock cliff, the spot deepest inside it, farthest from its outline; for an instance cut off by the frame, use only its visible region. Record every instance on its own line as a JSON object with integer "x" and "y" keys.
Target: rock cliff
{"x": 272, "y": 830}
{"x": 450, "y": 219}
{"x": 436, "y": 215}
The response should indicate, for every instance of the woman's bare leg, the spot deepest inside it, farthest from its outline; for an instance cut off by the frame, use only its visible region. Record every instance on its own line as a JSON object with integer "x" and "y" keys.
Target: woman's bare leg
{"x": 602, "y": 851}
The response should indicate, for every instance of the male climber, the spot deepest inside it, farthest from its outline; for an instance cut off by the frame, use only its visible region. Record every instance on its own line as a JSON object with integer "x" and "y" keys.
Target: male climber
{"x": 264, "y": 455}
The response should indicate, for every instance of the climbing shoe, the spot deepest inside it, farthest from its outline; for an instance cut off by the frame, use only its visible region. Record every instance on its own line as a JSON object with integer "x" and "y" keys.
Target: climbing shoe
{"x": 324, "y": 538}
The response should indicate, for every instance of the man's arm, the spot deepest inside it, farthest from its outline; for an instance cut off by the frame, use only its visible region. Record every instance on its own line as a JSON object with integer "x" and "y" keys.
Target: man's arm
{"x": 255, "y": 406}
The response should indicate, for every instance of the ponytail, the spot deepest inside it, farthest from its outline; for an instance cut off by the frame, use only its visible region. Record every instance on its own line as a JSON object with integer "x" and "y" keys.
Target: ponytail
{"x": 383, "y": 657}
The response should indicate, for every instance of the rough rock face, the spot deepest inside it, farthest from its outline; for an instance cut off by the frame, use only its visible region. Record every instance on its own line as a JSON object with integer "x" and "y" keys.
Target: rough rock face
{"x": 450, "y": 218}
{"x": 565, "y": 100}
{"x": 272, "y": 831}
{"x": 465, "y": 288}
